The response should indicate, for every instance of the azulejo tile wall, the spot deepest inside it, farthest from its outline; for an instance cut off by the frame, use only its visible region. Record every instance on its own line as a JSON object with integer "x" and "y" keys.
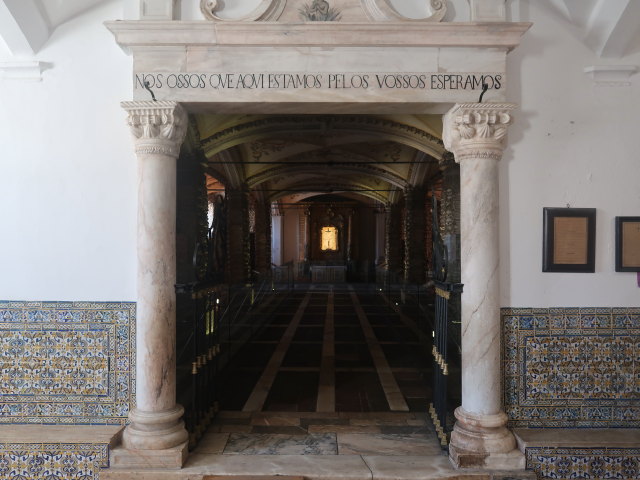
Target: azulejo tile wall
{"x": 41, "y": 461}
{"x": 66, "y": 362}
{"x": 594, "y": 463}
{"x": 571, "y": 367}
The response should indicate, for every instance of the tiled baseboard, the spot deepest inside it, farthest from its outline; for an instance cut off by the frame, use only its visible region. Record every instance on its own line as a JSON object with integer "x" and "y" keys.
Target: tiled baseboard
{"x": 51, "y": 452}
{"x": 571, "y": 367}
{"x": 577, "y": 463}
{"x": 42, "y": 461}
{"x": 67, "y": 362}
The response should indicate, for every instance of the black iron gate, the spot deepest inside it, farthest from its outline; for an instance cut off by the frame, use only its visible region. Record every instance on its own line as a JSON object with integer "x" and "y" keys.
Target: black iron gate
{"x": 197, "y": 358}
{"x": 446, "y": 335}
{"x": 442, "y": 371}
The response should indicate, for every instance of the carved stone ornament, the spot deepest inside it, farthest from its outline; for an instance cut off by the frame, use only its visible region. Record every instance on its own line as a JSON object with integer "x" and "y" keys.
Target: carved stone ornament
{"x": 319, "y": 11}
{"x": 383, "y": 11}
{"x": 158, "y": 127}
{"x": 268, "y": 10}
{"x": 477, "y": 129}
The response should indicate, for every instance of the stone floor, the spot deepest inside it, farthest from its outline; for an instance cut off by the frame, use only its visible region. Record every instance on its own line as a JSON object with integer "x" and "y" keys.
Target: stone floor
{"x": 290, "y": 433}
{"x": 333, "y": 349}
{"x": 335, "y": 386}
{"x": 322, "y": 446}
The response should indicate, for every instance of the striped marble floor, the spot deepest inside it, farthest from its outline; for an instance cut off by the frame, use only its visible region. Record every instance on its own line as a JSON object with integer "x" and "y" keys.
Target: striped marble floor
{"x": 336, "y": 371}
{"x": 307, "y": 433}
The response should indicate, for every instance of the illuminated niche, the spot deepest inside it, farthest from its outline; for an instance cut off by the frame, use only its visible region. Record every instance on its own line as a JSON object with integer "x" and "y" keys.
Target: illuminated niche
{"x": 329, "y": 239}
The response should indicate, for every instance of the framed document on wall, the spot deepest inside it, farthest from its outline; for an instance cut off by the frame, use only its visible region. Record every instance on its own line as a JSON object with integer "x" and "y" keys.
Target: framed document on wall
{"x": 627, "y": 244}
{"x": 569, "y": 240}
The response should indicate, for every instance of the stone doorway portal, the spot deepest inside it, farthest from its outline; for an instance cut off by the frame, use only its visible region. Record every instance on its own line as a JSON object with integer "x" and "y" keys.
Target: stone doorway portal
{"x": 438, "y": 55}
{"x": 307, "y": 172}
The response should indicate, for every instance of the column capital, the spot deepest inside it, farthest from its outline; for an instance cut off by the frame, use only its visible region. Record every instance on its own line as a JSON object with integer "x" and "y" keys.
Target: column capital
{"x": 477, "y": 130}
{"x": 158, "y": 127}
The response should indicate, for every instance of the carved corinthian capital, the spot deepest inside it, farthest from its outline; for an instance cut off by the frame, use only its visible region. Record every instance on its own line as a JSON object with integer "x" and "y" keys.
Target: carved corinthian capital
{"x": 477, "y": 129}
{"x": 158, "y": 127}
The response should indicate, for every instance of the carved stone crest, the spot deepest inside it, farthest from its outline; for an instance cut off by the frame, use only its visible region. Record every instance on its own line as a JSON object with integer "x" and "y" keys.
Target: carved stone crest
{"x": 319, "y": 11}
{"x": 323, "y": 11}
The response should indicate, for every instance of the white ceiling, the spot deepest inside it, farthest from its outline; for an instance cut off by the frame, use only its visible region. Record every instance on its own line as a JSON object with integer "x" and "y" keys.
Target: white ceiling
{"x": 59, "y": 11}
{"x": 611, "y": 28}
{"x": 26, "y": 25}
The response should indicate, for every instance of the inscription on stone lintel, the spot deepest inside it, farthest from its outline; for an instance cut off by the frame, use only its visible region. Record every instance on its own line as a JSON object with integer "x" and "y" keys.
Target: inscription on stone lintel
{"x": 319, "y": 81}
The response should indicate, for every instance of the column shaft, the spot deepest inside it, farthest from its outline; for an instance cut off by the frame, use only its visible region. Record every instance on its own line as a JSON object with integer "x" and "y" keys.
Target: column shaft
{"x": 480, "y": 307}
{"x": 159, "y": 129}
{"x": 156, "y": 279}
{"x": 476, "y": 133}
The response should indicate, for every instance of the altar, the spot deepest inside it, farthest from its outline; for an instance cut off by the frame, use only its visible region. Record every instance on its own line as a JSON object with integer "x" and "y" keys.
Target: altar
{"x": 328, "y": 273}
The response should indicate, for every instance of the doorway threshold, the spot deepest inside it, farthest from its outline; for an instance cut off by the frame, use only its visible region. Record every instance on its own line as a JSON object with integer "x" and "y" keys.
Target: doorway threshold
{"x": 315, "y": 467}
{"x": 316, "y": 446}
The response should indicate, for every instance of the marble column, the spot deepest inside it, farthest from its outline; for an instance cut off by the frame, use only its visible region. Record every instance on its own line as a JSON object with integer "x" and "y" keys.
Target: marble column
{"x": 476, "y": 134}
{"x": 158, "y": 129}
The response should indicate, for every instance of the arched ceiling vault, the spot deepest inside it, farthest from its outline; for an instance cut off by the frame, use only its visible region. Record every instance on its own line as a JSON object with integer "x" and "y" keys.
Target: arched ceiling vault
{"x": 376, "y": 156}
{"x": 311, "y": 188}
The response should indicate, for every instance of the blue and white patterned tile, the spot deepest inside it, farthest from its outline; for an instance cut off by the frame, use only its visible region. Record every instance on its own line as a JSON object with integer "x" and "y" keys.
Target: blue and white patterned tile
{"x": 527, "y": 322}
{"x": 591, "y": 463}
{"x": 62, "y": 356}
{"x": 62, "y": 461}
{"x": 576, "y": 367}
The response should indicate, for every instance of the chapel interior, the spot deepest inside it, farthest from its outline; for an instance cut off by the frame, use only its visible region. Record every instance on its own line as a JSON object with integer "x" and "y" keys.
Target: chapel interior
{"x": 305, "y": 262}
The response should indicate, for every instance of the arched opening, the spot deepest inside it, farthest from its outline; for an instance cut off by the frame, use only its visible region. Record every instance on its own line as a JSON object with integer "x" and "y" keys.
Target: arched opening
{"x": 323, "y": 299}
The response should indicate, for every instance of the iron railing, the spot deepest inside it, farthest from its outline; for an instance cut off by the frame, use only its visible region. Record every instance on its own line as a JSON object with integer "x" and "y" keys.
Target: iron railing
{"x": 214, "y": 325}
{"x": 446, "y": 372}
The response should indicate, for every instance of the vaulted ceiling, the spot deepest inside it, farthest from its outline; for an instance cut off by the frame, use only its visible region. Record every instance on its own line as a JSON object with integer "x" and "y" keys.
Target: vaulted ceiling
{"x": 611, "y": 28}
{"x": 26, "y": 25}
{"x": 375, "y": 156}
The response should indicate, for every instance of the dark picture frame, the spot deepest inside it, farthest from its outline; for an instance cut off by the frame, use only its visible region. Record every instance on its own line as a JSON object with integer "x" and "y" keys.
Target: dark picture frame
{"x": 569, "y": 240}
{"x": 627, "y": 244}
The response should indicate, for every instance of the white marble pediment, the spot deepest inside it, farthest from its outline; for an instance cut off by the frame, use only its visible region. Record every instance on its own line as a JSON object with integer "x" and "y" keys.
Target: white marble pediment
{"x": 290, "y": 11}
{"x": 368, "y": 55}
{"x": 412, "y": 67}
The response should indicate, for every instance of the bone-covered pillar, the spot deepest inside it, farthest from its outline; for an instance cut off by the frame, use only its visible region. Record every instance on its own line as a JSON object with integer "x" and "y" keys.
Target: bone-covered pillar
{"x": 393, "y": 240}
{"x": 158, "y": 129}
{"x": 476, "y": 134}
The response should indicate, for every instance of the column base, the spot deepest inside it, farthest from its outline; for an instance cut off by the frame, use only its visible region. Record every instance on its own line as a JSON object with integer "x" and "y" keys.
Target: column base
{"x": 513, "y": 460}
{"x": 128, "y": 459}
{"x": 484, "y": 441}
{"x": 155, "y": 430}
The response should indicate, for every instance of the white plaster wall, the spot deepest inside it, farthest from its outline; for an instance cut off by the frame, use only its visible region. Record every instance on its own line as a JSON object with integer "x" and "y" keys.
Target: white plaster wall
{"x": 67, "y": 171}
{"x": 572, "y": 143}
{"x": 68, "y": 175}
